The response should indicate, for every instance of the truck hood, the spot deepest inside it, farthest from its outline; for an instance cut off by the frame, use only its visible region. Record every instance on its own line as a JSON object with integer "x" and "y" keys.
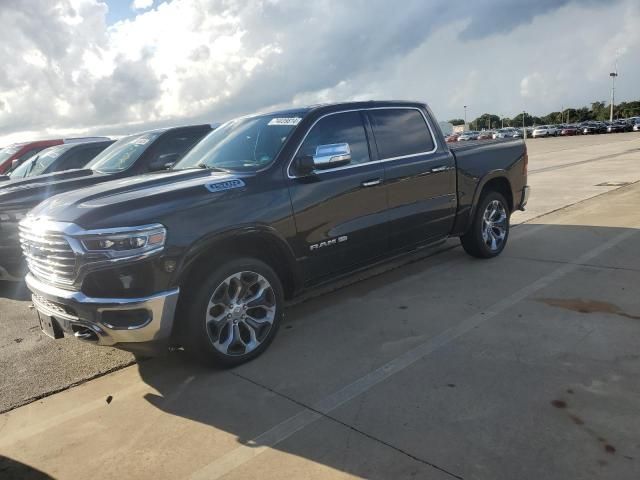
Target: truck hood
{"x": 142, "y": 199}
{"x": 25, "y": 193}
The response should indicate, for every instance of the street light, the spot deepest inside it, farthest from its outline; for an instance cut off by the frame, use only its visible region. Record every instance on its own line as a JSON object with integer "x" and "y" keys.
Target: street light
{"x": 465, "y": 117}
{"x": 613, "y": 76}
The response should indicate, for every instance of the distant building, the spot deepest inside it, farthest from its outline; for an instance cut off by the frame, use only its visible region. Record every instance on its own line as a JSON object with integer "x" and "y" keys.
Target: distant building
{"x": 446, "y": 127}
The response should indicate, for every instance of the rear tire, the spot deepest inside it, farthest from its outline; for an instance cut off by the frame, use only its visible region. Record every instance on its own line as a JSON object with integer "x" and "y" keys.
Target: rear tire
{"x": 235, "y": 313}
{"x": 489, "y": 230}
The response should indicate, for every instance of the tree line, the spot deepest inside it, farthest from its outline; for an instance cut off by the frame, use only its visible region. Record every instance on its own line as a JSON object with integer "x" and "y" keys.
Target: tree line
{"x": 598, "y": 111}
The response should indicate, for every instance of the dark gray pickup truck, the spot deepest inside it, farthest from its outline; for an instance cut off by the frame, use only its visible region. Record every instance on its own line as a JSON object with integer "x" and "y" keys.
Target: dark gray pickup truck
{"x": 205, "y": 254}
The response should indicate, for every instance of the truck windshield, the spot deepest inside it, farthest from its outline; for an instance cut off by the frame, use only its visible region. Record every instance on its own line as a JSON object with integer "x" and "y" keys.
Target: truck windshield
{"x": 122, "y": 154}
{"x": 245, "y": 144}
{"x": 38, "y": 164}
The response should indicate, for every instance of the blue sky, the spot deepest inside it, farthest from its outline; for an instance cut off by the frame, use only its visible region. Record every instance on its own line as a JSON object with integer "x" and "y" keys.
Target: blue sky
{"x": 120, "y": 10}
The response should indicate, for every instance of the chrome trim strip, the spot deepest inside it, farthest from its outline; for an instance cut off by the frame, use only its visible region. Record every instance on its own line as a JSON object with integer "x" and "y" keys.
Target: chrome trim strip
{"x": 366, "y": 109}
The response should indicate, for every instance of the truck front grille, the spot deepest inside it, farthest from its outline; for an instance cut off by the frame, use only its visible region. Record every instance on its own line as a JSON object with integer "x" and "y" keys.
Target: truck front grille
{"x": 48, "y": 254}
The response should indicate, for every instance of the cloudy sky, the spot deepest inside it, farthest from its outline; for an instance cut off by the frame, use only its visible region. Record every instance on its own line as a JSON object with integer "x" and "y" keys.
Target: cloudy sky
{"x": 117, "y": 66}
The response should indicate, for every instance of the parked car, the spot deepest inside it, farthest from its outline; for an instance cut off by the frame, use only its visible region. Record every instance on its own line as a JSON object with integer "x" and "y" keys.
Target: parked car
{"x": 154, "y": 150}
{"x": 545, "y": 131}
{"x": 636, "y": 125}
{"x": 468, "y": 135}
{"x": 63, "y": 157}
{"x": 452, "y": 138}
{"x": 204, "y": 256}
{"x": 507, "y": 132}
{"x": 589, "y": 128}
{"x": 13, "y": 155}
{"x": 485, "y": 135}
{"x": 569, "y": 130}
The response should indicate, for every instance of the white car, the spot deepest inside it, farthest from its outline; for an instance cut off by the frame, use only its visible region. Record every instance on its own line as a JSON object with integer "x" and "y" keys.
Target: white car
{"x": 507, "y": 132}
{"x": 470, "y": 135}
{"x": 545, "y": 131}
{"x": 636, "y": 126}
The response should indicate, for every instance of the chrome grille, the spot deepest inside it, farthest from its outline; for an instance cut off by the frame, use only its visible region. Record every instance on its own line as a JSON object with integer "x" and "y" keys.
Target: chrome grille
{"x": 48, "y": 254}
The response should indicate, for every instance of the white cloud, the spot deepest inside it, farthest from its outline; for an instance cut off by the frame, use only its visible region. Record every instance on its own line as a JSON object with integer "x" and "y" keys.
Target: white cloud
{"x": 184, "y": 61}
{"x": 141, "y": 4}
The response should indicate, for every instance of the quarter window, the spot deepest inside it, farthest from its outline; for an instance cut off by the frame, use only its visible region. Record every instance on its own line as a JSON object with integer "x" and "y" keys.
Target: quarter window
{"x": 400, "y": 132}
{"x": 339, "y": 128}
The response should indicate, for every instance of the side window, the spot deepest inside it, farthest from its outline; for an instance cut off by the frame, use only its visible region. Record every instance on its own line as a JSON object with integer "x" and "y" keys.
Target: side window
{"x": 339, "y": 128}
{"x": 173, "y": 143}
{"x": 79, "y": 158}
{"x": 400, "y": 132}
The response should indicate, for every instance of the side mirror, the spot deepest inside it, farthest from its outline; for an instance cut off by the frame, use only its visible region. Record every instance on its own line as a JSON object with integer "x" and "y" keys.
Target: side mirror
{"x": 164, "y": 162}
{"x": 15, "y": 163}
{"x": 327, "y": 156}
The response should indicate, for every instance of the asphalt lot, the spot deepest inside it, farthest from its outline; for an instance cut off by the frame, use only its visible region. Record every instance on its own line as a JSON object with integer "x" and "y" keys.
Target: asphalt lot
{"x": 525, "y": 366}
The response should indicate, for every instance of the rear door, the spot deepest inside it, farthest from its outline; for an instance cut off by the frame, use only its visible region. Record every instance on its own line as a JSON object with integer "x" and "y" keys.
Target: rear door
{"x": 339, "y": 212}
{"x": 420, "y": 177}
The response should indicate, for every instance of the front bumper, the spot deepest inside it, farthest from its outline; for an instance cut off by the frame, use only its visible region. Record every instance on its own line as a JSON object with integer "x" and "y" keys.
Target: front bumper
{"x": 92, "y": 319}
{"x": 526, "y": 190}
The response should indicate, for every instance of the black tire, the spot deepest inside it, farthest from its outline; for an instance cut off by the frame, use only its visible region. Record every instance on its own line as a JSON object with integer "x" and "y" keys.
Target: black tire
{"x": 197, "y": 335}
{"x": 473, "y": 241}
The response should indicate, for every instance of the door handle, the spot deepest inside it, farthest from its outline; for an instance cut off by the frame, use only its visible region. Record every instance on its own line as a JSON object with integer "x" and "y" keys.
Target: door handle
{"x": 441, "y": 168}
{"x": 372, "y": 183}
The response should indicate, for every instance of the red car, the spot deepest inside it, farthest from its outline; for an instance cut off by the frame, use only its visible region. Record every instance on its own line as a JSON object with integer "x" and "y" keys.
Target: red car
{"x": 22, "y": 151}
{"x": 569, "y": 130}
{"x": 452, "y": 138}
{"x": 19, "y": 152}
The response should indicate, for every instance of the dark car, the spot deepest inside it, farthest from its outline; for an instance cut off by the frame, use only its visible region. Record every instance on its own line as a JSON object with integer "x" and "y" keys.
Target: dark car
{"x": 150, "y": 151}
{"x": 69, "y": 156}
{"x": 203, "y": 256}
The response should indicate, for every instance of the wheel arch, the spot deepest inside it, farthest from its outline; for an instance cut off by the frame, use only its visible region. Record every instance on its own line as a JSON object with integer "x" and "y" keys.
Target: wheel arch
{"x": 261, "y": 242}
{"x": 496, "y": 180}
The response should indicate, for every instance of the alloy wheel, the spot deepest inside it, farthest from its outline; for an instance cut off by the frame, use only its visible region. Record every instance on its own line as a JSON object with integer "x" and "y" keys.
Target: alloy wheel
{"x": 494, "y": 225}
{"x": 240, "y": 313}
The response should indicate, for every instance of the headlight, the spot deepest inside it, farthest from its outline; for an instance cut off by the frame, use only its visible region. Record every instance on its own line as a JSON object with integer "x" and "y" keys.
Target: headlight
{"x": 125, "y": 241}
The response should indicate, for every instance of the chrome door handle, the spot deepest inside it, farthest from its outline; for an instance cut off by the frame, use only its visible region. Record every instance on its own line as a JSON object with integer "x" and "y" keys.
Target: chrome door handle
{"x": 372, "y": 183}
{"x": 441, "y": 168}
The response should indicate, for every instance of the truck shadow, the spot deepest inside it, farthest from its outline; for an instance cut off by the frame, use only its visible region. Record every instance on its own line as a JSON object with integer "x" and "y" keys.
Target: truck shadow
{"x": 251, "y": 399}
{"x": 14, "y": 470}
{"x": 14, "y": 290}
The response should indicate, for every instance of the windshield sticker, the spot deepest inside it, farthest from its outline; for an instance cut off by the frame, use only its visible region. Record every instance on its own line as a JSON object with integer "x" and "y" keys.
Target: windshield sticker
{"x": 226, "y": 185}
{"x": 293, "y": 121}
{"x": 141, "y": 141}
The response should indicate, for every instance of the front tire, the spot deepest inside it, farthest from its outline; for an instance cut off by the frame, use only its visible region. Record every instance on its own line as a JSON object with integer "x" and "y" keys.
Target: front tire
{"x": 489, "y": 230}
{"x": 235, "y": 313}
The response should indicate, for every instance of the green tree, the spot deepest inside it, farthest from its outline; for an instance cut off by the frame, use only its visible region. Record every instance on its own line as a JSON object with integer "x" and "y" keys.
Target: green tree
{"x": 456, "y": 121}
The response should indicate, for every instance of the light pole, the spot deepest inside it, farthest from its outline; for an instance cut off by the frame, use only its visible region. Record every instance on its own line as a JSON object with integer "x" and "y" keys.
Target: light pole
{"x": 613, "y": 76}
{"x": 465, "y": 117}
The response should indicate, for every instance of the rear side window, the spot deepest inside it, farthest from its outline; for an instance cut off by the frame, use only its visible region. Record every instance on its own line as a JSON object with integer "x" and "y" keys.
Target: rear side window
{"x": 339, "y": 128}
{"x": 400, "y": 132}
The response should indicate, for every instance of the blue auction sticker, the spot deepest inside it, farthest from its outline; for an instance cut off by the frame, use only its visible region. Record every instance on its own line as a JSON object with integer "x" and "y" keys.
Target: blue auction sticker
{"x": 225, "y": 185}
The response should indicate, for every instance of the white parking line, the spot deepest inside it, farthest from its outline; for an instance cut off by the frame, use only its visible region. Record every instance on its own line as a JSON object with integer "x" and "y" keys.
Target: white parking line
{"x": 287, "y": 428}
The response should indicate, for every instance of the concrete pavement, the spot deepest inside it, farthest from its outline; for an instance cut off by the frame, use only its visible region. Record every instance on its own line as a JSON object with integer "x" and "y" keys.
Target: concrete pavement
{"x": 524, "y": 366}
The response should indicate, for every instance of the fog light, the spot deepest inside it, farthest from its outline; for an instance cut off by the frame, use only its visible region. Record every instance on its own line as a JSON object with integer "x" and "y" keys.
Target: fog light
{"x": 125, "y": 319}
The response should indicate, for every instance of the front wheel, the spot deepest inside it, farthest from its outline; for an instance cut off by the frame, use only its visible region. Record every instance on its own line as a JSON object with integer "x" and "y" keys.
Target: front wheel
{"x": 489, "y": 230}
{"x": 235, "y": 313}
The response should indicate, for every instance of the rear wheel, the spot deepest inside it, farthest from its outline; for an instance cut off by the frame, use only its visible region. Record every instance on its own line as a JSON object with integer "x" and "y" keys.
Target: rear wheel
{"x": 489, "y": 231}
{"x": 235, "y": 314}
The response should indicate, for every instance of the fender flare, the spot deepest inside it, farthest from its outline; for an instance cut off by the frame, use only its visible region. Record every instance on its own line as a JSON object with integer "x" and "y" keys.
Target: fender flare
{"x": 208, "y": 242}
{"x": 482, "y": 182}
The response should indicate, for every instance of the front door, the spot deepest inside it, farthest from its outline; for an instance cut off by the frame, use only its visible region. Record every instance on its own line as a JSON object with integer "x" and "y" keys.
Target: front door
{"x": 339, "y": 212}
